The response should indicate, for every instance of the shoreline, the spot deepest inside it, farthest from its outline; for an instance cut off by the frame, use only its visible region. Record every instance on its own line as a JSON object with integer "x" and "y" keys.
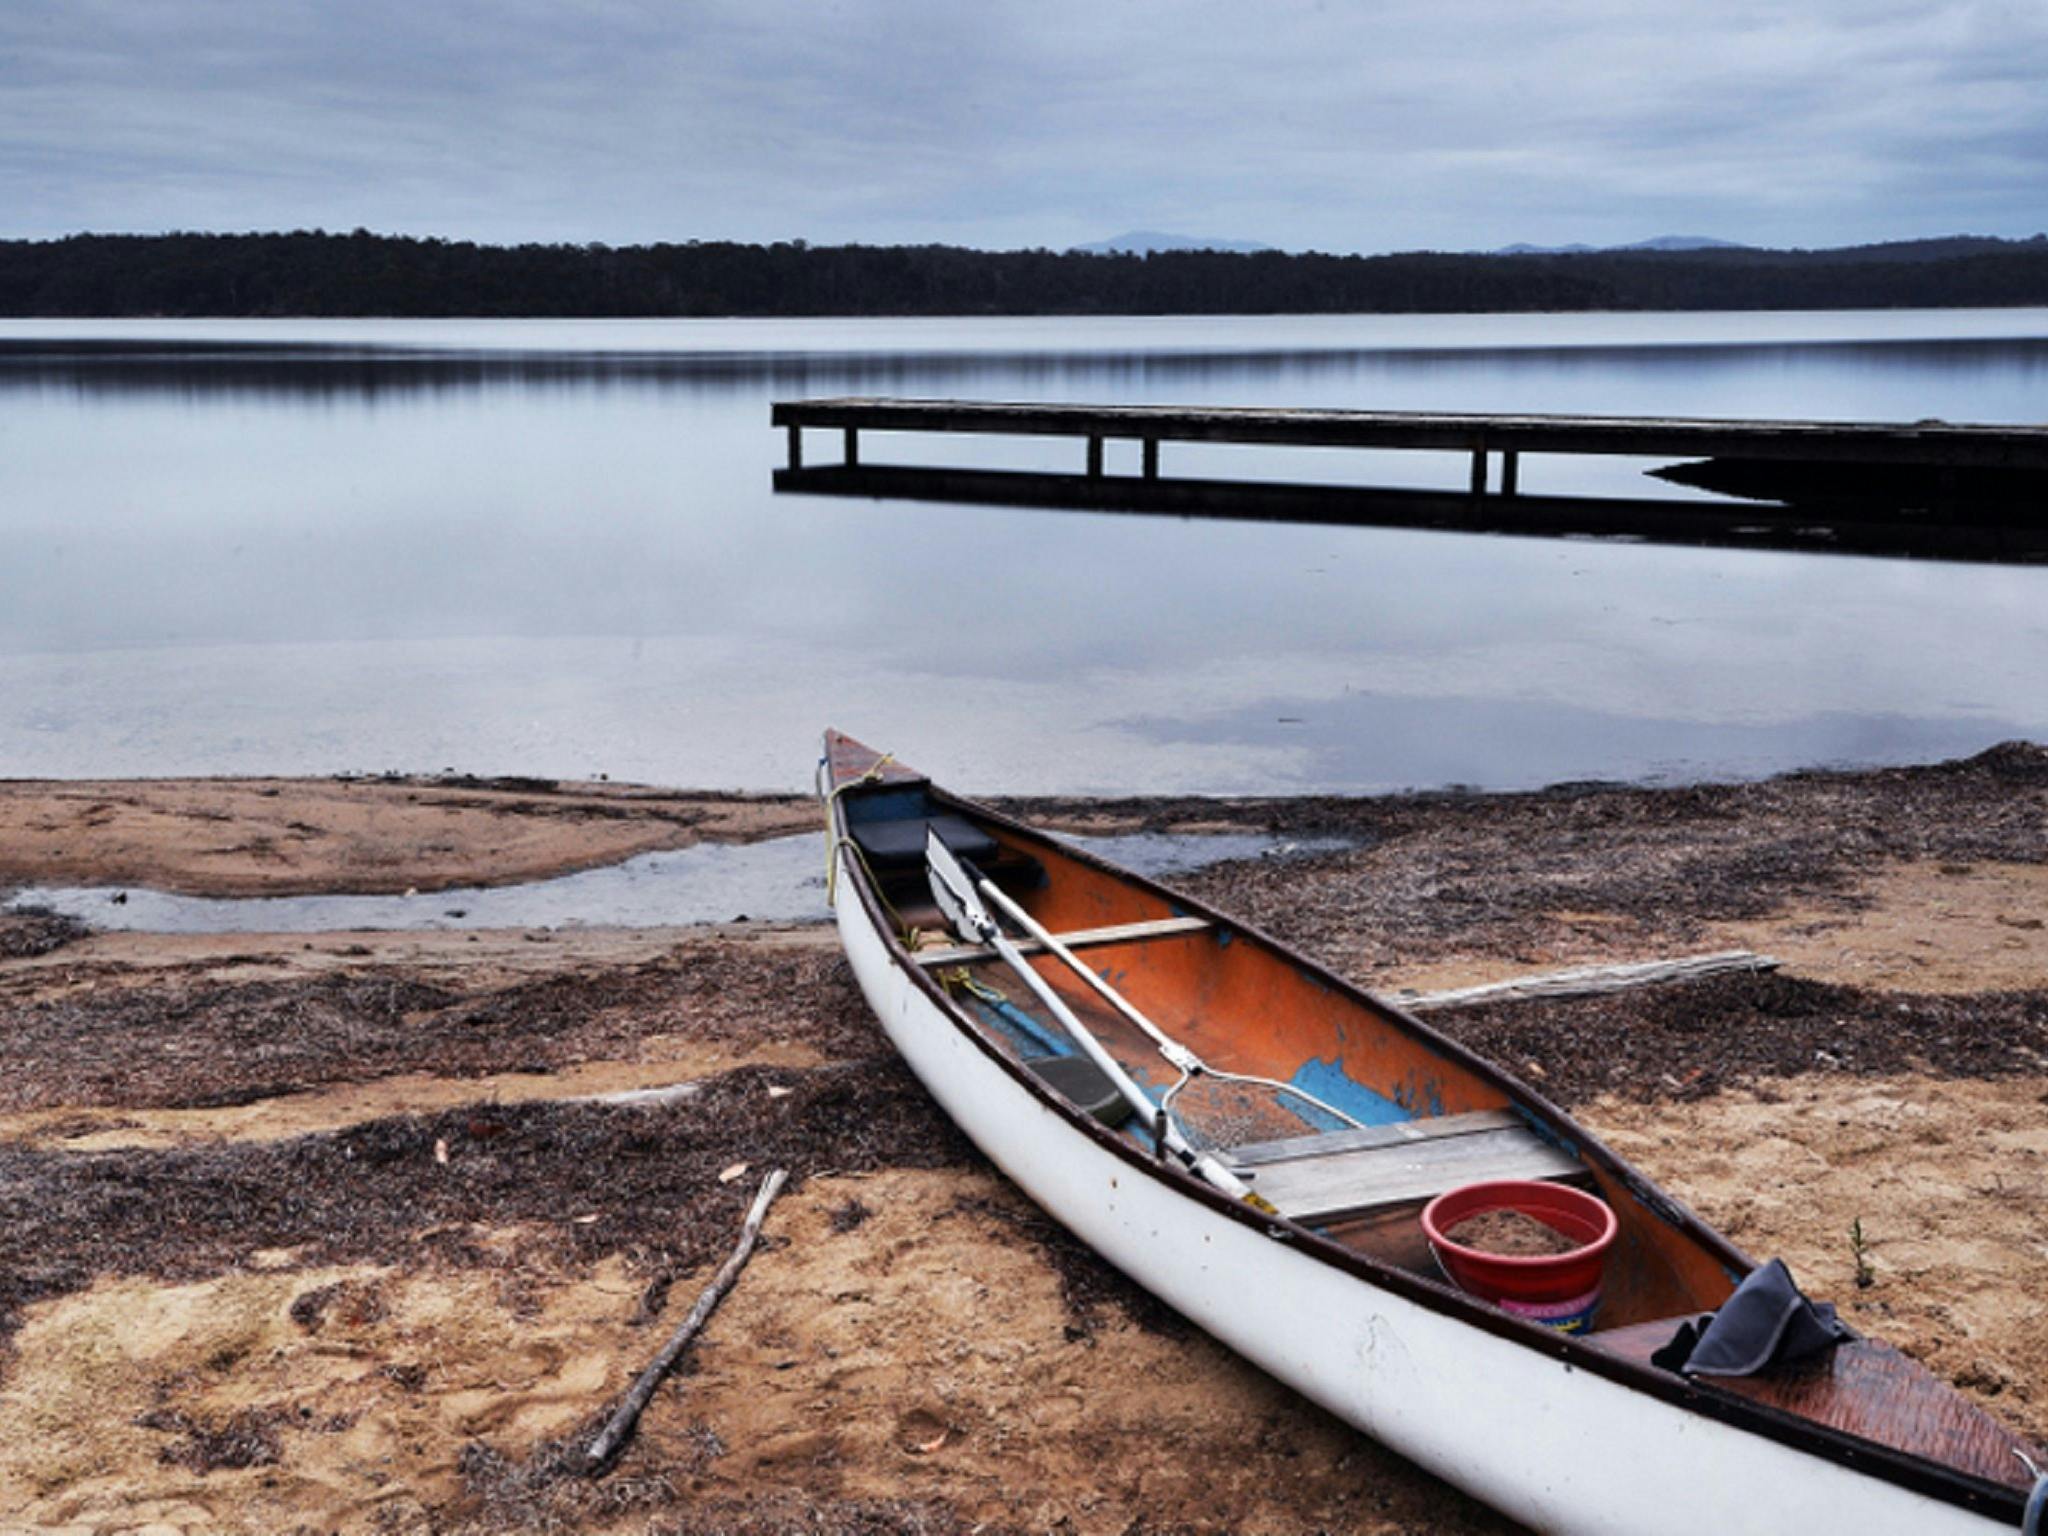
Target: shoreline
{"x": 353, "y": 1230}
{"x": 357, "y": 834}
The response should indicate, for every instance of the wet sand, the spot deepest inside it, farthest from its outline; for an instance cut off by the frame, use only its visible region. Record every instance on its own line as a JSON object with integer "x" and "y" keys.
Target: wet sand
{"x": 283, "y": 837}
{"x": 337, "y": 1232}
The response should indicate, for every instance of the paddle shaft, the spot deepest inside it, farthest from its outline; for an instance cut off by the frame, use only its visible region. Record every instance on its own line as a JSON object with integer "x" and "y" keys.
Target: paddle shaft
{"x": 1155, "y": 1120}
{"x": 1179, "y": 1056}
{"x": 957, "y": 889}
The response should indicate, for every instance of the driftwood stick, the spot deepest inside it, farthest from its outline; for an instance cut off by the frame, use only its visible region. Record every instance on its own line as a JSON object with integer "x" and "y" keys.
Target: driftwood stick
{"x": 620, "y": 1427}
{"x": 1588, "y": 981}
{"x": 643, "y": 1098}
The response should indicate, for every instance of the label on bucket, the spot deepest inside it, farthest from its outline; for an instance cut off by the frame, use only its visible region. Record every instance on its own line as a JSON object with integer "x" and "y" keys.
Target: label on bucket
{"x": 1571, "y": 1316}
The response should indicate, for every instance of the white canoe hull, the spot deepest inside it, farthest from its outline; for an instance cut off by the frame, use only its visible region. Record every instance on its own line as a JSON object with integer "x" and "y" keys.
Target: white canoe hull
{"x": 1559, "y": 1448}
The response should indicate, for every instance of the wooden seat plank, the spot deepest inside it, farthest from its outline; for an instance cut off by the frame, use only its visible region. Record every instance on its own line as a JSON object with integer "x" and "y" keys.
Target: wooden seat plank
{"x": 1346, "y": 1183}
{"x": 1360, "y": 1138}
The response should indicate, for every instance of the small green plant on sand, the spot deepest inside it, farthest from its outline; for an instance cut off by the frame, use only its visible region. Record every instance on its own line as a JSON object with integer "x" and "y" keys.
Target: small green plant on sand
{"x": 1859, "y": 1250}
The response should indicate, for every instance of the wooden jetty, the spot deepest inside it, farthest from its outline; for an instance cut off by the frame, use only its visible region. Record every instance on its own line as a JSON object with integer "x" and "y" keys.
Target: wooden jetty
{"x": 1943, "y": 446}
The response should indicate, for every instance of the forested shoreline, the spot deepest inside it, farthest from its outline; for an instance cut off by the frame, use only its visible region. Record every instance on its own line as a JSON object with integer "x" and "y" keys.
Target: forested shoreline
{"x": 320, "y": 274}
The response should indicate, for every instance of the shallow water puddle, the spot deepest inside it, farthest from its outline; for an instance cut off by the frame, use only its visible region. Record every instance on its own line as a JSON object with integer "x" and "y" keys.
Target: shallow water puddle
{"x": 780, "y": 880}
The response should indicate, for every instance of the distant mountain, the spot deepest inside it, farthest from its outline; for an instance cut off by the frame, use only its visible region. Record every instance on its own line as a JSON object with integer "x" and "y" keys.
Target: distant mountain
{"x": 1682, "y": 243}
{"x": 1143, "y": 242}
{"x": 1655, "y": 243}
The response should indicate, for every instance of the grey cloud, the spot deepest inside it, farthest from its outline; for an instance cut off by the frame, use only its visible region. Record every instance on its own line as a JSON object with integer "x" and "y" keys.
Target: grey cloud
{"x": 1396, "y": 125}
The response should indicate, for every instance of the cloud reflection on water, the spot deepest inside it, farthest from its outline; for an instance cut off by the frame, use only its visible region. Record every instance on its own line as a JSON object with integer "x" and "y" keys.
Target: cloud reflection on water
{"x": 314, "y": 556}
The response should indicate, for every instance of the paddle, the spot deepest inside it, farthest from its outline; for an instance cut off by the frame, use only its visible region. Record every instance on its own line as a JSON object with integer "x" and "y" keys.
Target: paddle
{"x": 1183, "y": 1060}
{"x": 956, "y": 891}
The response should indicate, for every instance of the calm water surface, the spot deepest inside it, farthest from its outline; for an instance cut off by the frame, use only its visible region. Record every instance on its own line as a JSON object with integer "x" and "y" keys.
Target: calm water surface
{"x": 552, "y": 548}
{"x": 780, "y": 880}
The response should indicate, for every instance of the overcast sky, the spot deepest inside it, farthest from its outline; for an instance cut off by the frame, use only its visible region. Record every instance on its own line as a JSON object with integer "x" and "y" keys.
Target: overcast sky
{"x": 1371, "y": 125}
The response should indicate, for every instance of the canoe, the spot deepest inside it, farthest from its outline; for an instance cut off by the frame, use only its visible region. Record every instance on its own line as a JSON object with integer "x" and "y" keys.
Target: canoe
{"x": 1285, "y": 1221}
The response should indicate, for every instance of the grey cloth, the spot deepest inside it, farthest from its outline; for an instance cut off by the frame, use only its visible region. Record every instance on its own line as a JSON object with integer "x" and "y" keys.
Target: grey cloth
{"x": 1766, "y": 1323}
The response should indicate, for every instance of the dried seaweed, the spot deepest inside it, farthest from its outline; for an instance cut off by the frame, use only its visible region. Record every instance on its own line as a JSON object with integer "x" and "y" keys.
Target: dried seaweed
{"x": 1437, "y": 873}
{"x": 576, "y": 1182}
{"x": 850, "y": 1215}
{"x": 1692, "y": 1040}
{"x": 791, "y": 1516}
{"x": 247, "y": 1438}
{"x": 191, "y": 1043}
{"x": 547, "y": 1492}
{"x": 26, "y": 932}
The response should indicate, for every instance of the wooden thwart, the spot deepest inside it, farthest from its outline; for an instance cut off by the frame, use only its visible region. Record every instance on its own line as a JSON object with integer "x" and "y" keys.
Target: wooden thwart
{"x": 1119, "y": 933}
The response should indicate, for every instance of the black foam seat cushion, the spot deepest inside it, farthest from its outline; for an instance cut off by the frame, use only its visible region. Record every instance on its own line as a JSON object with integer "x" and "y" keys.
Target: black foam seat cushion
{"x": 1086, "y": 1086}
{"x": 899, "y": 844}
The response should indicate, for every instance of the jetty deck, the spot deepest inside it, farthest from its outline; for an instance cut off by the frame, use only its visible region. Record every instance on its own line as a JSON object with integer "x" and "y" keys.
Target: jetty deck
{"x": 1935, "y": 445}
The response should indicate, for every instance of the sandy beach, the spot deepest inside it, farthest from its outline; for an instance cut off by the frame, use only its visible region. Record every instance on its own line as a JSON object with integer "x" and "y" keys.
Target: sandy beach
{"x": 337, "y": 1232}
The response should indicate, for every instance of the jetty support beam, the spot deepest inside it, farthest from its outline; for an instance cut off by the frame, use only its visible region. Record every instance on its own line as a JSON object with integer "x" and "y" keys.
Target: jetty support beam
{"x": 1923, "y": 446}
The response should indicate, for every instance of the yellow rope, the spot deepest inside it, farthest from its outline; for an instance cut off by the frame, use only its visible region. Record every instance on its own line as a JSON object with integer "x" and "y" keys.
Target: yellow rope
{"x": 959, "y": 978}
{"x": 908, "y": 934}
{"x": 872, "y": 776}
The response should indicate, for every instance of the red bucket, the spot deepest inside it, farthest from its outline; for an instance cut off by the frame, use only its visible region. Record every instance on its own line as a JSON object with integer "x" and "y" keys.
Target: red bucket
{"x": 1562, "y": 1289}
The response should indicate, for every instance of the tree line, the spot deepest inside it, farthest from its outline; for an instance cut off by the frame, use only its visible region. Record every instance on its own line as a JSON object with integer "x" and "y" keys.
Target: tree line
{"x": 317, "y": 273}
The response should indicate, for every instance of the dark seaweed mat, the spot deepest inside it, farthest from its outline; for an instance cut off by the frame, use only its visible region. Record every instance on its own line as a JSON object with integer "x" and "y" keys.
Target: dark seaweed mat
{"x": 806, "y": 1517}
{"x": 547, "y": 1491}
{"x": 27, "y": 932}
{"x": 1445, "y": 872}
{"x": 377, "y": 1192}
{"x": 186, "y": 1043}
{"x": 245, "y": 1439}
{"x": 1961, "y": 803}
{"x": 1693, "y": 1039}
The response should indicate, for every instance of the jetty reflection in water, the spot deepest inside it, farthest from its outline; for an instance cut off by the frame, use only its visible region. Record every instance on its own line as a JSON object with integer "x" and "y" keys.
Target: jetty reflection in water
{"x": 1720, "y": 524}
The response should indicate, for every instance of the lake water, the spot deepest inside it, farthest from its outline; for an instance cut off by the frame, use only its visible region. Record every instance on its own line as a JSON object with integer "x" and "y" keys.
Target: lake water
{"x": 781, "y": 880}
{"x": 553, "y": 548}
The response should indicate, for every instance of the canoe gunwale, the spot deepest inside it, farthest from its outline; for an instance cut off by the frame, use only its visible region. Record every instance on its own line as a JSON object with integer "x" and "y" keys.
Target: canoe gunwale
{"x": 1918, "y": 1474}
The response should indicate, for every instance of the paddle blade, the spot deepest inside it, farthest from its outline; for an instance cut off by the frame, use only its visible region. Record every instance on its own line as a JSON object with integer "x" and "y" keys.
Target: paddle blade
{"x": 953, "y": 890}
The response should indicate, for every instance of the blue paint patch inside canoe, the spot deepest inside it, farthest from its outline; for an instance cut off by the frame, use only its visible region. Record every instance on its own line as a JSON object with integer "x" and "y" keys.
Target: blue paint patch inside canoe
{"x": 1156, "y": 1092}
{"x": 1421, "y": 1097}
{"x": 1328, "y": 1081}
{"x": 1545, "y": 1131}
{"x": 1031, "y": 1040}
